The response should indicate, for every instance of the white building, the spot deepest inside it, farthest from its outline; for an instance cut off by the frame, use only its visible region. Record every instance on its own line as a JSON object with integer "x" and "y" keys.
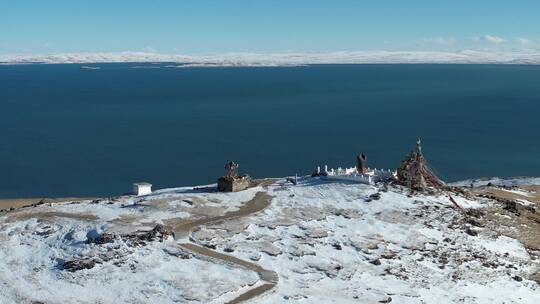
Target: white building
{"x": 142, "y": 189}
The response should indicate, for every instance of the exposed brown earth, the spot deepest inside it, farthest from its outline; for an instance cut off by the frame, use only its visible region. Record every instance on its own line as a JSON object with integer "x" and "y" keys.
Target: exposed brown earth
{"x": 7, "y": 203}
{"x": 49, "y": 215}
{"x": 534, "y": 193}
{"x": 515, "y": 220}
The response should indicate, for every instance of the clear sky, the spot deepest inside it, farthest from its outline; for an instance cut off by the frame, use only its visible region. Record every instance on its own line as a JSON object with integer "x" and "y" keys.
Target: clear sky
{"x": 210, "y": 27}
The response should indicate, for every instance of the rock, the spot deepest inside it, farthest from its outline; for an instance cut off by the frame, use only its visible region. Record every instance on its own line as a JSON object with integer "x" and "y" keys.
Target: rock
{"x": 255, "y": 256}
{"x": 490, "y": 265}
{"x": 270, "y": 249}
{"x": 444, "y": 259}
{"x": 179, "y": 252}
{"x": 474, "y": 222}
{"x": 337, "y": 246}
{"x": 376, "y": 262}
{"x": 189, "y": 202}
{"x": 76, "y": 265}
{"x": 388, "y": 255}
{"x": 209, "y": 245}
{"x": 100, "y": 239}
{"x": 373, "y": 246}
{"x": 331, "y": 270}
{"x": 531, "y": 209}
{"x": 471, "y": 232}
{"x": 44, "y": 232}
{"x": 299, "y": 251}
{"x": 281, "y": 222}
{"x": 474, "y": 213}
{"x": 316, "y": 233}
{"x": 517, "y": 278}
{"x": 160, "y": 232}
{"x": 44, "y": 201}
{"x": 375, "y": 196}
{"x": 511, "y": 206}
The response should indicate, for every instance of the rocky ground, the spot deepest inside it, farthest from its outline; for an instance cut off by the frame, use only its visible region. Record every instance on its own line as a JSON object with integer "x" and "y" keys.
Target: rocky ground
{"x": 279, "y": 243}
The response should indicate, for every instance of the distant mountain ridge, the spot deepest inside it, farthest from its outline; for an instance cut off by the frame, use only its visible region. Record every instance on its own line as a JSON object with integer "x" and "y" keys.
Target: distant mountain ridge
{"x": 289, "y": 58}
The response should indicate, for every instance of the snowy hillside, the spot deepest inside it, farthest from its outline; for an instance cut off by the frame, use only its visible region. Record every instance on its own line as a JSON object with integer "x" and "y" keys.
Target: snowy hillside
{"x": 315, "y": 242}
{"x": 289, "y": 58}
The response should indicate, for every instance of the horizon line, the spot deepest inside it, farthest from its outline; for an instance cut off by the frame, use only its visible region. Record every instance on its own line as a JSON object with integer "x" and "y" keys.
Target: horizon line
{"x": 466, "y": 56}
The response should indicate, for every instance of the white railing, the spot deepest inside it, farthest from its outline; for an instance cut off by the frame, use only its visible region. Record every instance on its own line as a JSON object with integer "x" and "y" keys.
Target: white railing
{"x": 351, "y": 173}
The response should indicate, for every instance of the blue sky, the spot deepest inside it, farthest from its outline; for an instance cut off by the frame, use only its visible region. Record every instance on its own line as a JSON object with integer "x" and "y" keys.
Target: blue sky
{"x": 210, "y": 27}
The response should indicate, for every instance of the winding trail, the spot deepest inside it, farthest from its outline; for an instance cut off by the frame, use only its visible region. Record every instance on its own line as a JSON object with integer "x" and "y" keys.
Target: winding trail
{"x": 268, "y": 277}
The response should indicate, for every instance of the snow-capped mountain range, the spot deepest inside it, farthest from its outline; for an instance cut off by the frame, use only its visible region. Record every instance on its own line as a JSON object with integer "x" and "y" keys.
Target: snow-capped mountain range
{"x": 289, "y": 58}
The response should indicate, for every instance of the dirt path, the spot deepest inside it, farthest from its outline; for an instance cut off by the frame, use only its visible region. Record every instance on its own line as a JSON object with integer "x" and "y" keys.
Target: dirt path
{"x": 258, "y": 203}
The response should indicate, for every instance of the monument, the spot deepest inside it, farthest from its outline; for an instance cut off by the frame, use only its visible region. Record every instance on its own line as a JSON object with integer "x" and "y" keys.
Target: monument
{"x": 232, "y": 181}
{"x": 415, "y": 173}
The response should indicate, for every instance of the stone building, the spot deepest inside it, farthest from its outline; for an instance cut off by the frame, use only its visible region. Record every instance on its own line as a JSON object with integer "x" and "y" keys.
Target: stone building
{"x": 231, "y": 181}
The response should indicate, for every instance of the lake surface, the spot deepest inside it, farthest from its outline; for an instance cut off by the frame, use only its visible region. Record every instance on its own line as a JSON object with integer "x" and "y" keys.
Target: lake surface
{"x": 66, "y": 131}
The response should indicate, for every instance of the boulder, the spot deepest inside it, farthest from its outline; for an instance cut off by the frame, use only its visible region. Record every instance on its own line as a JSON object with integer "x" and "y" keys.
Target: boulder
{"x": 76, "y": 265}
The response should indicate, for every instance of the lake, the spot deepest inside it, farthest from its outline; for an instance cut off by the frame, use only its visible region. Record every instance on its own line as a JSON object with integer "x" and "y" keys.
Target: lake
{"x": 67, "y": 131}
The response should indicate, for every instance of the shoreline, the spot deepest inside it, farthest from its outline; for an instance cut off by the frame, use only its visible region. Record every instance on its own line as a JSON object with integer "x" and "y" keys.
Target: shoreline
{"x": 480, "y": 182}
{"x": 8, "y": 203}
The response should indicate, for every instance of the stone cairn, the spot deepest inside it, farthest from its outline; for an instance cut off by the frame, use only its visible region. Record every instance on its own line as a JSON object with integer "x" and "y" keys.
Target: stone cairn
{"x": 232, "y": 181}
{"x": 415, "y": 173}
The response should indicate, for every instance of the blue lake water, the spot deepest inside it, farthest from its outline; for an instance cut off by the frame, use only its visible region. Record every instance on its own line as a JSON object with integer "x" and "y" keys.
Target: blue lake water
{"x": 67, "y": 131}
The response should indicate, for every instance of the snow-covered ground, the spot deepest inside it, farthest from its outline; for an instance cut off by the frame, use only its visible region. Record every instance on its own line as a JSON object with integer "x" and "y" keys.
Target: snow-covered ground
{"x": 32, "y": 251}
{"x": 328, "y": 242}
{"x": 36, "y": 242}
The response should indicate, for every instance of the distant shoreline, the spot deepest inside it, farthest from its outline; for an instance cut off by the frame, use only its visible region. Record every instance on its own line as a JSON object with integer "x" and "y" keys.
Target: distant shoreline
{"x": 470, "y": 56}
{"x": 183, "y": 65}
{"x": 8, "y": 203}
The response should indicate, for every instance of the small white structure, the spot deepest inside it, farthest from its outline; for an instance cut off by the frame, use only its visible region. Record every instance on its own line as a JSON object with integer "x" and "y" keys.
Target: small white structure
{"x": 142, "y": 189}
